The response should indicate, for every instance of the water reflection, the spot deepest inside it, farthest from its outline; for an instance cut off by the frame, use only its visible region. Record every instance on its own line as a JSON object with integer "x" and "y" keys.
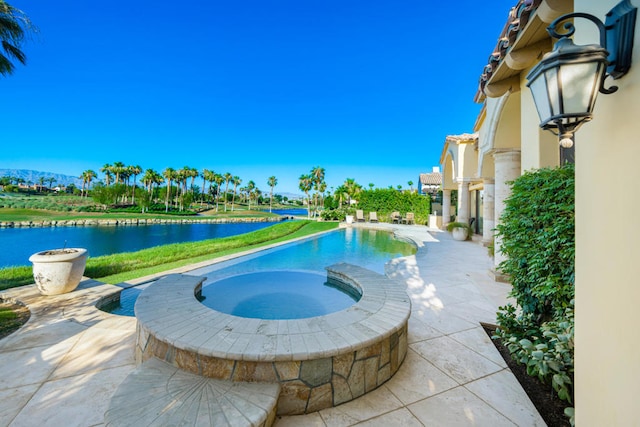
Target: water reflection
{"x": 17, "y": 244}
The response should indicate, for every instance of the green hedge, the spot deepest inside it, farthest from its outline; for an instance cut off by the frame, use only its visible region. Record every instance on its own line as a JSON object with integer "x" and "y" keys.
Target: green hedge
{"x": 537, "y": 236}
{"x": 385, "y": 201}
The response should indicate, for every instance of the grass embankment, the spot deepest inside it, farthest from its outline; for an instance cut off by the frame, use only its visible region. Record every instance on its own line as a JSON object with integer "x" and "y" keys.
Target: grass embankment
{"x": 130, "y": 265}
{"x": 15, "y": 215}
{"x": 12, "y": 316}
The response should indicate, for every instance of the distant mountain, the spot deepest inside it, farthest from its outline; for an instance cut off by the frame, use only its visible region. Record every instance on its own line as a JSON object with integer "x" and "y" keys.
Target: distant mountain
{"x": 33, "y": 177}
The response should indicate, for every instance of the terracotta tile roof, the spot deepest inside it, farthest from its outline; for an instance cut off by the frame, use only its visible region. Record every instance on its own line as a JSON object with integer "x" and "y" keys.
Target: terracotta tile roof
{"x": 472, "y": 137}
{"x": 517, "y": 20}
{"x": 433, "y": 178}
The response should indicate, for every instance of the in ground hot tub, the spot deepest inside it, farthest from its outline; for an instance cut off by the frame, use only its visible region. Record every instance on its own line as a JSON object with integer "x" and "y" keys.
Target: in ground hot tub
{"x": 279, "y": 295}
{"x": 319, "y": 361}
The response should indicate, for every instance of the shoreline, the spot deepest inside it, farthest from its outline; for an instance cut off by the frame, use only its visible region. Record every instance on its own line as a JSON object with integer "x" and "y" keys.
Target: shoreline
{"x": 134, "y": 221}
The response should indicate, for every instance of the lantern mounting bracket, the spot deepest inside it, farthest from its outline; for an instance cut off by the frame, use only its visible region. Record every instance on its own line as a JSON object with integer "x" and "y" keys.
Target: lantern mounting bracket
{"x": 616, "y": 36}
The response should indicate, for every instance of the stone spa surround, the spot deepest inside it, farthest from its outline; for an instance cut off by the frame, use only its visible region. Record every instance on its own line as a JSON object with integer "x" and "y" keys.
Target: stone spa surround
{"x": 319, "y": 362}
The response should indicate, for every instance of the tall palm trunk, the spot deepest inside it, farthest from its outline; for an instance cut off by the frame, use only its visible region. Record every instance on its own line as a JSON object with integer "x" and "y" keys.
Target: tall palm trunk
{"x": 166, "y": 203}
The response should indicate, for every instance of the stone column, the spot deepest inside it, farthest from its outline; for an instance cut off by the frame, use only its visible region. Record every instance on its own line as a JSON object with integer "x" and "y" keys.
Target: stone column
{"x": 488, "y": 211}
{"x": 464, "y": 208}
{"x": 507, "y": 168}
{"x": 446, "y": 207}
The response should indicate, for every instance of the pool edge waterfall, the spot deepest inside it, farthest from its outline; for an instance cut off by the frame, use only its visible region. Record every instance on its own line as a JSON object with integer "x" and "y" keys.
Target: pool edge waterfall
{"x": 319, "y": 362}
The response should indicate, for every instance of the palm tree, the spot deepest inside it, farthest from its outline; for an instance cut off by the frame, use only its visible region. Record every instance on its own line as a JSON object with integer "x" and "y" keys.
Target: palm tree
{"x": 272, "y": 182}
{"x": 147, "y": 179}
{"x": 134, "y": 171}
{"x": 322, "y": 187}
{"x": 150, "y": 178}
{"x": 352, "y": 188}
{"x": 118, "y": 168}
{"x": 51, "y": 181}
{"x": 410, "y": 186}
{"x": 251, "y": 186}
{"x": 41, "y": 182}
{"x": 168, "y": 174}
{"x": 317, "y": 173}
{"x": 317, "y": 178}
{"x": 84, "y": 182}
{"x": 218, "y": 179}
{"x": 13, "y": 26}
{"x": 236, "y": 181}
{"x": 91, "y": 174}
{"x": 305, "y": 184}
{"x": 228, "y": 177}
{"x": 371, "y": 185}
{"x": 206, "y": 175}
{"x": 257, "y": 193}
{"x": 193, "y": 174}
{"x": 181, "y": 176}
{"x": 87, "y": 176}
{"x": 106, "y": 170}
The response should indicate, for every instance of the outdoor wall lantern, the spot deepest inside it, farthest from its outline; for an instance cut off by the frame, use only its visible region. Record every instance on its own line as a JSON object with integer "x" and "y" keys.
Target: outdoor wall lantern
{"x": 565, "y": 83}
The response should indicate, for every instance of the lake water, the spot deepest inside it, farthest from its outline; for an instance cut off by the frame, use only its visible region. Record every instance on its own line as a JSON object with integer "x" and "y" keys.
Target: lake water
{"x": 292, "y": 211}
{"x": 18, "y": 244}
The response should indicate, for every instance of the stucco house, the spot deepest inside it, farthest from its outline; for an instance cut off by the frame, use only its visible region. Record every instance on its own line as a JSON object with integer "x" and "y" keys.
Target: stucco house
{"x": 430, "y": 182}
{"x": 508, "y": 140}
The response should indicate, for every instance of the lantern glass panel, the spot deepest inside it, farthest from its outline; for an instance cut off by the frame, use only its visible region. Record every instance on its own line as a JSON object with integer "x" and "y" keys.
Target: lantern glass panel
{"x": 541, "y": 97}
{"x": 579, "y": 84}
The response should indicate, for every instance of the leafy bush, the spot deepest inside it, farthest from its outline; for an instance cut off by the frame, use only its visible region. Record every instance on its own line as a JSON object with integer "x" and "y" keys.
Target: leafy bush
{"x": 338, "y": 214}
{"x": 452, "y": 225}
{"x": 537, "y": 236}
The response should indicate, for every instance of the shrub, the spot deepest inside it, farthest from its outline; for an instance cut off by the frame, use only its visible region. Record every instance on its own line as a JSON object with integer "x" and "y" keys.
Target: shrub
{"x": 452, "y": 225}
{"x": 537, "y": 236}
{"x": 338, "y": 214}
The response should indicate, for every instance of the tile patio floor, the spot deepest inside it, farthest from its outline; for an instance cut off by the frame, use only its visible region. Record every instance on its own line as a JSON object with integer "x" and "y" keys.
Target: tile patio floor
{"x": 62, "y": 367}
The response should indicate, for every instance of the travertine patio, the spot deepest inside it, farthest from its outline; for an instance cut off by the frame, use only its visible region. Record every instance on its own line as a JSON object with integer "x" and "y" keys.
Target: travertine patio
{"x": 63, "y": 366}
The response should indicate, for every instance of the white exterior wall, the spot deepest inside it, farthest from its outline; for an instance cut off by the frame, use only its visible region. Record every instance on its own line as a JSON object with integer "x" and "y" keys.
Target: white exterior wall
{"x": 607, "y": 352}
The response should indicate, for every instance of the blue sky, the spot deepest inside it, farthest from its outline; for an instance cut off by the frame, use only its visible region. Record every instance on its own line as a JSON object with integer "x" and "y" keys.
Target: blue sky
{"x": 366, "y": 89}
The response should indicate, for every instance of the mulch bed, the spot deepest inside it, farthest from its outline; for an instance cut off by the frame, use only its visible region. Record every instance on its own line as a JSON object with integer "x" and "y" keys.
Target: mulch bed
{"x": 544, "y": 398}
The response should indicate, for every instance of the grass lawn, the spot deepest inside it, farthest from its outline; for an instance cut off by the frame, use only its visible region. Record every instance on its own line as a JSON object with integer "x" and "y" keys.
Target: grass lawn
{"x": 130, "y": 265}
{"x": 12, "y": 316}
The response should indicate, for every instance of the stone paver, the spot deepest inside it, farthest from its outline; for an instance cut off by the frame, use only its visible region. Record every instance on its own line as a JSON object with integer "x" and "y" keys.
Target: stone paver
{"x": 158, "y": 394}
{"x": 53, "y": 369}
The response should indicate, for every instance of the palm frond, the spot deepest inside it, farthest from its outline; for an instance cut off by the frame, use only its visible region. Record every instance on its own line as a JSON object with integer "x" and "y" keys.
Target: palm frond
{"x": 6, "y": 67}
{"x": 14, "y": 52}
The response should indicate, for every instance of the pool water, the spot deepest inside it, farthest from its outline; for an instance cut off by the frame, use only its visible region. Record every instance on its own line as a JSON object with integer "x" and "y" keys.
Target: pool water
{"x": 279, "y": 295}
{"x": 370, "y": 249}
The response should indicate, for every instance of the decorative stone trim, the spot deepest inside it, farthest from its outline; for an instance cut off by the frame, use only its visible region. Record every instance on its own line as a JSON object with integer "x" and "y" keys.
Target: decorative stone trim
{"x": 319, "y": 362}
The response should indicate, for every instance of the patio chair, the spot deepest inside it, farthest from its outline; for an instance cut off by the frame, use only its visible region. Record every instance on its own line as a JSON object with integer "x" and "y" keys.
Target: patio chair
{"x": 395, "y": 217}
{"x": 409, "y": 219}
{"x": 359, "y": 215}
{"x": 373, "y": 217}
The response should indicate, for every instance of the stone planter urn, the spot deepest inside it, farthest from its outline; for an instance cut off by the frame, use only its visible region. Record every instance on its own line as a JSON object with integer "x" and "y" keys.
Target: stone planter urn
{"x": 459, "y": 233}
{"x": 58, "y": 271}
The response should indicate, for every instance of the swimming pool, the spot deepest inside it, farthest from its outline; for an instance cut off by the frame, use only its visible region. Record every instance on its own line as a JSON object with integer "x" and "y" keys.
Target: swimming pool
{"x": 367, "y": 248}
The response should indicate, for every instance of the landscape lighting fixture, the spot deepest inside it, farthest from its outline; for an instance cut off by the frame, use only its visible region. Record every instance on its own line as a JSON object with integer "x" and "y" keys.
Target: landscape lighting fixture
{"x": 565, "y": 83}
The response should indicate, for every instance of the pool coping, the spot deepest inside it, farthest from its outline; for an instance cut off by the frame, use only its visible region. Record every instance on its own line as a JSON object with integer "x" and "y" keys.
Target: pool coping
{"x": 170, "y": 312}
